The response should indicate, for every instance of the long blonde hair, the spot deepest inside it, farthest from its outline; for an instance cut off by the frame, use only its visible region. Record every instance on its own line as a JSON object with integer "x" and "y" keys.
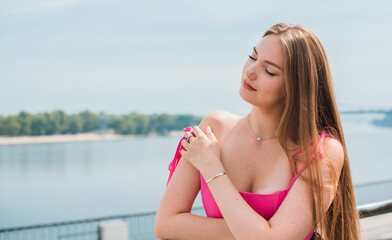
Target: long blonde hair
{"x": 310, "y": 107}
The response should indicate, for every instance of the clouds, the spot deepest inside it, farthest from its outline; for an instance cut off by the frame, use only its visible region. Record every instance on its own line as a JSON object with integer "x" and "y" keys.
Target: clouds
{"x": 59, "y": 52}
{"x": 18, "y": 7}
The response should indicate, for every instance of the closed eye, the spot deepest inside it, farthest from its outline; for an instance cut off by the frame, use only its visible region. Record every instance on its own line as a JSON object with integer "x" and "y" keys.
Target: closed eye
{"x": 269, "y": 72}
{"x": 254, "y": 59}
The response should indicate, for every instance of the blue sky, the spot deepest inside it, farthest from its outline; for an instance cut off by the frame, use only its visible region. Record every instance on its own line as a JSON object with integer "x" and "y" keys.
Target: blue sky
{"x": 122, "y": 56}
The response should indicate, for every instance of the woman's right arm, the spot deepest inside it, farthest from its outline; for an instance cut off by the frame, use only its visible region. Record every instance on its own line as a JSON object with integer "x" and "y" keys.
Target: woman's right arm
{"x": 174, "y": 220}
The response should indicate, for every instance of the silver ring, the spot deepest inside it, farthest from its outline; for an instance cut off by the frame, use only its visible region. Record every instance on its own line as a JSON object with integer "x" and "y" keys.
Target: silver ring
{"x": 187, "y": 138}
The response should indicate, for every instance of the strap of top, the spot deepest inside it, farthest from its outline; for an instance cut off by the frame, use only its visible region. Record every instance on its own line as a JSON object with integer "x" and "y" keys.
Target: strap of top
{"x": 323, "y": 134}
{"x": 173, "y": 164}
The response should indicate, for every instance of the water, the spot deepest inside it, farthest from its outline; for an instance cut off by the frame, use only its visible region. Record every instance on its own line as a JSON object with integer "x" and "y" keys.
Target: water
{"x": 368, "y": 147}
{"x": 66, "y": 181}
{"x": 44, "y": 183}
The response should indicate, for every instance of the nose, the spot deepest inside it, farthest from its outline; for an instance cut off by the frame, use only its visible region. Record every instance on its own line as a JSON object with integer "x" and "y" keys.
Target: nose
{"x": 250, "y": 74}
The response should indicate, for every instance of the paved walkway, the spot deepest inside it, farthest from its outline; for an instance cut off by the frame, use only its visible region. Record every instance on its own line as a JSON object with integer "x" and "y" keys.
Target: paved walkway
{"x": 377, "y": 227}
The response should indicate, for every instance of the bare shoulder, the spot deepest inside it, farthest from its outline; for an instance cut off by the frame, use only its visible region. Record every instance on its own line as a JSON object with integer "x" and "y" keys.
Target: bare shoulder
{"x": 334, "y": 153}
{"x": 220, "y": 122}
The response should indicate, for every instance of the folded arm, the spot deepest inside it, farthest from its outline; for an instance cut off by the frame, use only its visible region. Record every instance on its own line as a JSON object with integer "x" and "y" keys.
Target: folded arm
{"x": 174, "y": 220}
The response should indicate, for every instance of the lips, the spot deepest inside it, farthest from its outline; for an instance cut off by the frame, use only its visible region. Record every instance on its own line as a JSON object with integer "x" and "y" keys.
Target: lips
{"x": 247, "y": 84}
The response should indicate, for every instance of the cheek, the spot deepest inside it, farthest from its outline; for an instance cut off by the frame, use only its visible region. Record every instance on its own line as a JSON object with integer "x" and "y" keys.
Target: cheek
{"x": 280, "y": 90}
{"x": 272, "y": 89}
{"x": 271, "y": 85}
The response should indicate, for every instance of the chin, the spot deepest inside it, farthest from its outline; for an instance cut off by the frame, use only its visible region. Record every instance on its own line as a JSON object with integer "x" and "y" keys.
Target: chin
{"x": 246, "y": 97}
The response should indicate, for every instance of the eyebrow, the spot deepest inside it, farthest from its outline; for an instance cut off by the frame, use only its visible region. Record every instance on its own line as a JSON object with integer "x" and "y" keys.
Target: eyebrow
{"x": 269, "y": 62}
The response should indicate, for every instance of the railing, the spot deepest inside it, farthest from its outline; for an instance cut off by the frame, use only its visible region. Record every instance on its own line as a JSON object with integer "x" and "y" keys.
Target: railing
{"x": 81, "y": 229}
{"x": 141, "y": 225}
{"x": 373, "y": 209}
{"x": 373, "y": 191}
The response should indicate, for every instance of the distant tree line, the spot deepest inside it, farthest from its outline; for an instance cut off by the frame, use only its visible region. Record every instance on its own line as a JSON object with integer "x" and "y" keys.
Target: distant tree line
{"x": 58, "y": 122}
{"x": 385, "y": 122}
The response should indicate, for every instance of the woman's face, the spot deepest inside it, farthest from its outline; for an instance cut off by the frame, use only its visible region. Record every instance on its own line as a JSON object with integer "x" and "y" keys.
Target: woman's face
{"x": 263, "y": 71}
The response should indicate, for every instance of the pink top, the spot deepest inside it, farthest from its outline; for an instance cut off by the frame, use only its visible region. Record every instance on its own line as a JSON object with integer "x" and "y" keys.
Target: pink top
{"x": 264, "y": 204}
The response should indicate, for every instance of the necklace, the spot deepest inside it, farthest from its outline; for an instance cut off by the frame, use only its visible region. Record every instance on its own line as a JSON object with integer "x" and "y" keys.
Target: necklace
{"x": 258, "y": 138}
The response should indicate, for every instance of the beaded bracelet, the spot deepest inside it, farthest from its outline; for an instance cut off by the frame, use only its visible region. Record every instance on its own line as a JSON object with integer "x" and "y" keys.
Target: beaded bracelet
{"x": 217, "y": 175}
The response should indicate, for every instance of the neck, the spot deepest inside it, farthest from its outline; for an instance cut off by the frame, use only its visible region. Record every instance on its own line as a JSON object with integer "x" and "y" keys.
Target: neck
{"x": 265, "y": 122}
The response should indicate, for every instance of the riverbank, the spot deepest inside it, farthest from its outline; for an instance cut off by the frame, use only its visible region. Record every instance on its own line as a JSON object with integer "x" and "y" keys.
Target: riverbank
{"x": 80, "y": 137}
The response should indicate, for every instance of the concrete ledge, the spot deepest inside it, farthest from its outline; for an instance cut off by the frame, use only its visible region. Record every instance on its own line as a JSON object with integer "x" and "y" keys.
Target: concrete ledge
{"x": 377, "y": 227}
{"x": 113, "y": 230}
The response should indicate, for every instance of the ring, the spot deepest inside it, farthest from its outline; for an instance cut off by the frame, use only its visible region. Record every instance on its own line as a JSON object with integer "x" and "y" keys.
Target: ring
{"x": 187, "y": 138}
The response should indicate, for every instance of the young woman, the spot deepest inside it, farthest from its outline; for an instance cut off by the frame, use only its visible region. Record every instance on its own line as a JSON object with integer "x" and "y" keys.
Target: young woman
{"x": 282, "y": 171}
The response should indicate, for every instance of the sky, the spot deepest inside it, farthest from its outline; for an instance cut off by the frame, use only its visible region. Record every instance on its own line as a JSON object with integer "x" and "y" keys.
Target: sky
{"x": 176, "y": 57}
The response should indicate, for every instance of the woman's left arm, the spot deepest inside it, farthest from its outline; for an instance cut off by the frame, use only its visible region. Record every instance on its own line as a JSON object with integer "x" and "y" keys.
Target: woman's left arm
{"x": 293, "y": 220}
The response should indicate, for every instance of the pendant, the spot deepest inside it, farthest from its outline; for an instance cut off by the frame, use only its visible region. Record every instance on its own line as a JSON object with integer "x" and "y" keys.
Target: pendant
{"x": 258, "y": 138}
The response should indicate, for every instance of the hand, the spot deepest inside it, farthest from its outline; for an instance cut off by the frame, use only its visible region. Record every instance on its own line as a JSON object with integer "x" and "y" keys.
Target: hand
{"x": 202, "y": 151}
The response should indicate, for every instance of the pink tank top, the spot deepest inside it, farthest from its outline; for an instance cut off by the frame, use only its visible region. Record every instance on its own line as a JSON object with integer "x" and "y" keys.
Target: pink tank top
{"x": 264, "y": 204}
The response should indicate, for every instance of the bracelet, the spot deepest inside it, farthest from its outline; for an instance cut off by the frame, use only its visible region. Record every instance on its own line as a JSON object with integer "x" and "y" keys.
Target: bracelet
{"x": 217, "y": 175}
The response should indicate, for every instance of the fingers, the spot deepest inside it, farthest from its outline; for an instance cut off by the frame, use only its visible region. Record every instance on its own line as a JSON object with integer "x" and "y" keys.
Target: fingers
{"x": 183, "y": 153}
{"x": 185, "y": 143}
{"x": 204, "y": 136}
{"x": 197, "y": 131}
{"x": 189, "y": 136}
{"x": 210, "y": 134}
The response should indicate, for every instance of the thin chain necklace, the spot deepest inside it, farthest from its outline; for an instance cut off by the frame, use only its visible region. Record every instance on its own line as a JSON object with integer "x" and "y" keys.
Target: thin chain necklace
{"x": 258, "y": 138}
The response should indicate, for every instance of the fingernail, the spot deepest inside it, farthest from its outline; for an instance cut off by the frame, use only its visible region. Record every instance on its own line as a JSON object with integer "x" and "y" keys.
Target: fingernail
{"x": 208, "y": 128}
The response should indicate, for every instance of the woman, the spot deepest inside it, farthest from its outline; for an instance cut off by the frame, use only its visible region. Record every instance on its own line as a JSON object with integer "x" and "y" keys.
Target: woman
{"x": 292, "y": 137}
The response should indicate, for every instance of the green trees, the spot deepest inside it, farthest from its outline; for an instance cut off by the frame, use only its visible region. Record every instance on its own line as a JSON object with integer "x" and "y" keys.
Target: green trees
{"x": 89, "y": 121}
{"x": 74, "y": 124}
{"x": 24, "y": 120}
{"x": 55, "y": 122}
{"x": 135, "y": 123}
{"x": 38, "y": 124}
{"x": 10, "y": 126}
{"x": 58, "y": 122}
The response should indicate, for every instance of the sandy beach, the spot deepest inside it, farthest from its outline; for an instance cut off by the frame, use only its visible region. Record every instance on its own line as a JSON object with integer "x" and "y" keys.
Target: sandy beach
{"x": 80, "y": 137}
